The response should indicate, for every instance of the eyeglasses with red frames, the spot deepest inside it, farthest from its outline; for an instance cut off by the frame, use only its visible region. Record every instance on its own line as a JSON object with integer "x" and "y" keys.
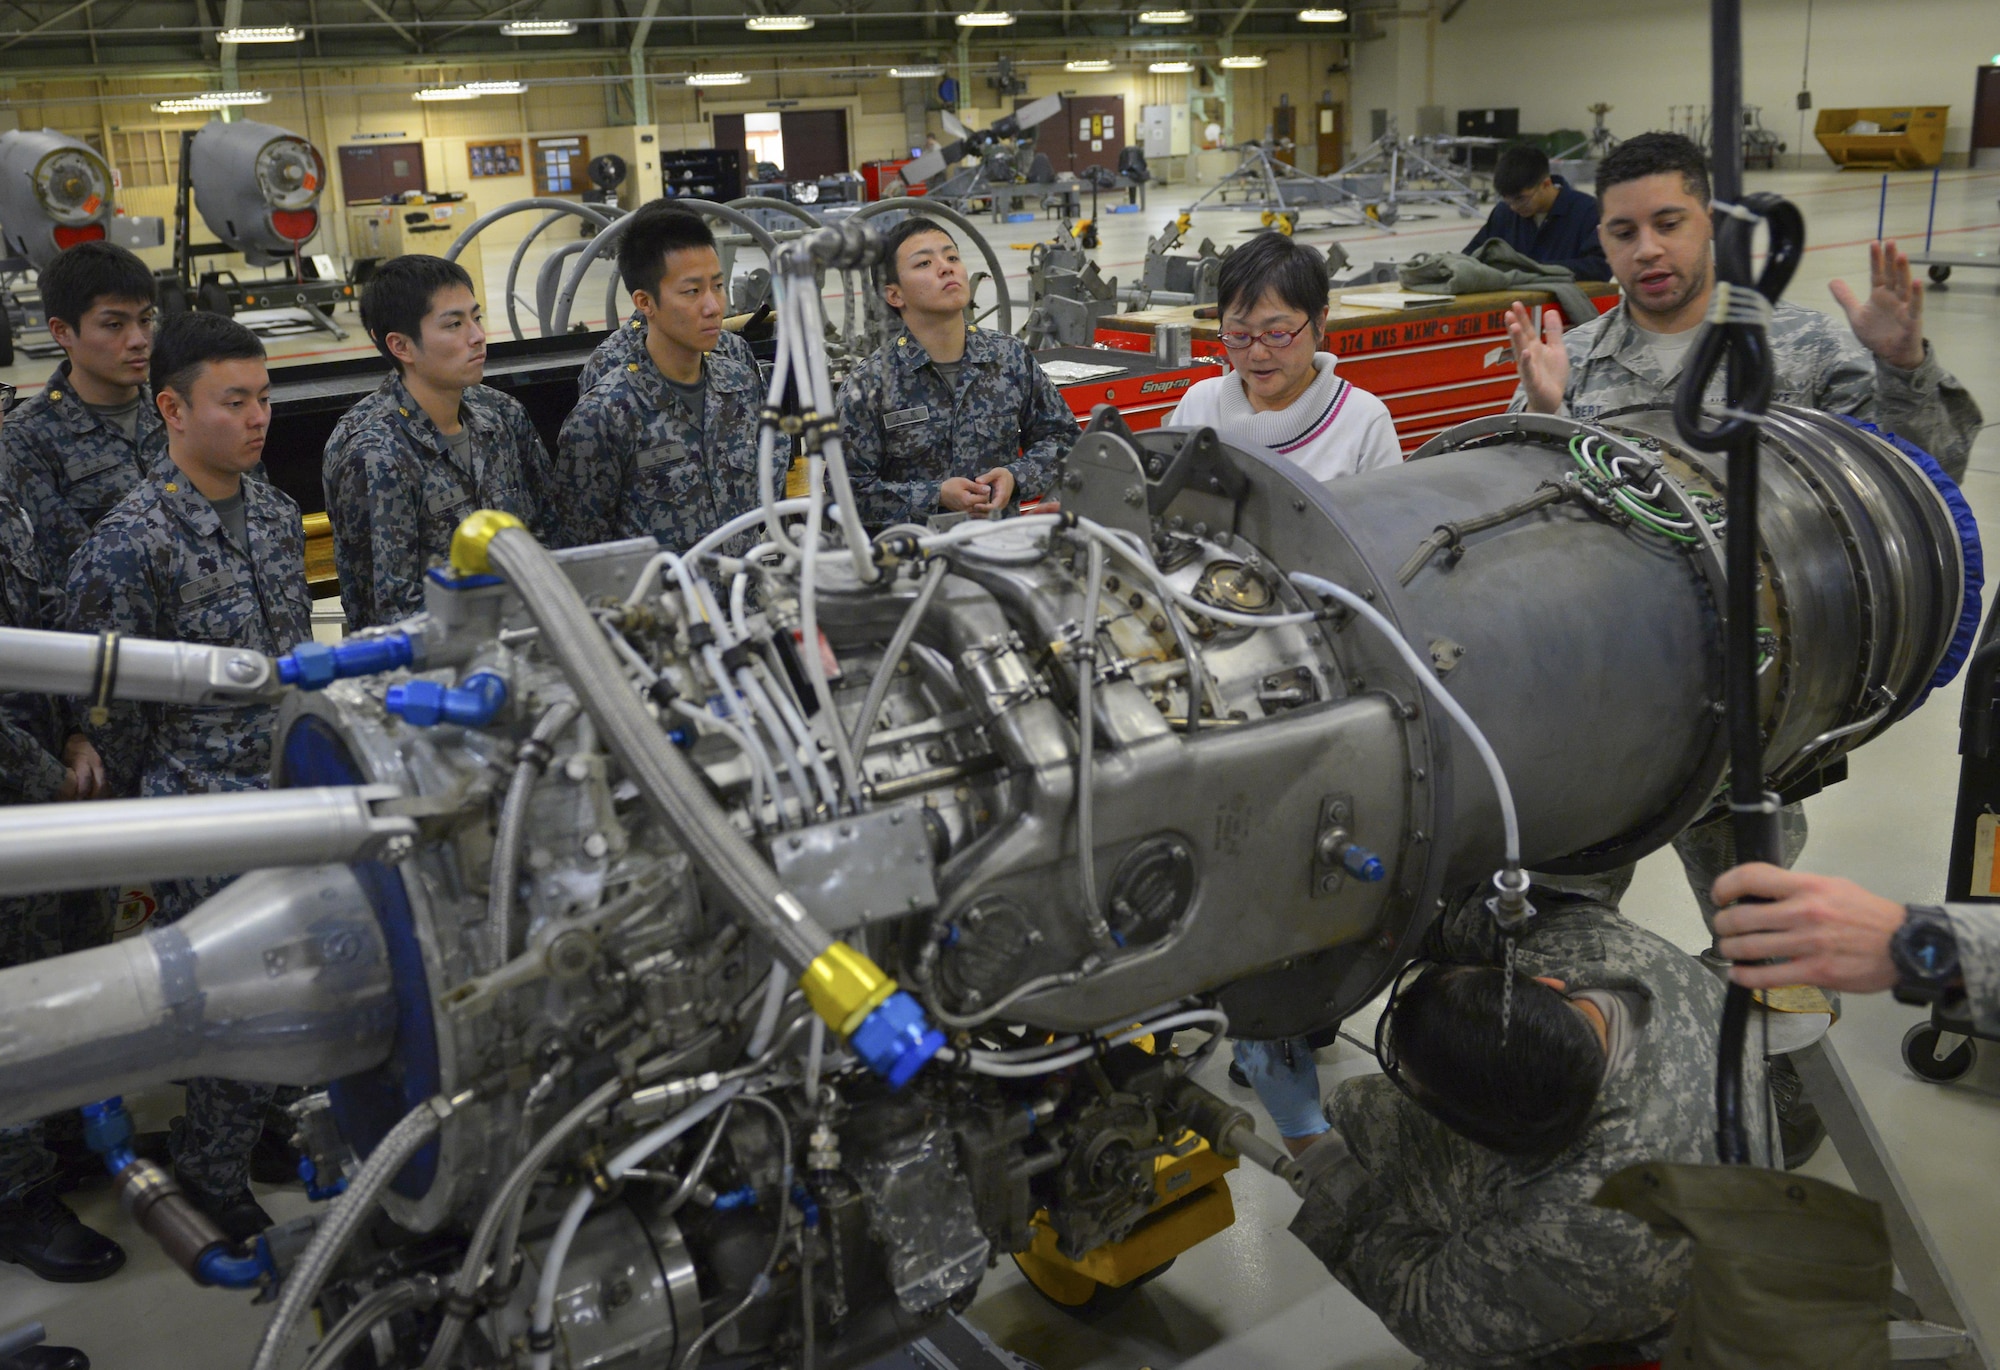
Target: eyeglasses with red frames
{"x": 1277, "y": 339}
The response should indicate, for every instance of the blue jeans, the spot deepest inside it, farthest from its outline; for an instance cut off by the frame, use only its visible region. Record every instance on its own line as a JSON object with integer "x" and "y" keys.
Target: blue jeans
{"x": 1286, "y": 1081}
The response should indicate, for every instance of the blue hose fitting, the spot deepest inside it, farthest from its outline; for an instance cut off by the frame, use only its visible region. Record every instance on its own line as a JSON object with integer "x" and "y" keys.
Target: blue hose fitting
{"x": 223, "y": 1269}
{"x": 315, "y": 1191}
{"x": 896, "y": 1040}
{"x": 1361, "y": 863}
{"x": 745, "y": 1197}
{"x": 107, "y": 1130}
{"x": 315, "y": 665}
{"x": 470, "y": 704}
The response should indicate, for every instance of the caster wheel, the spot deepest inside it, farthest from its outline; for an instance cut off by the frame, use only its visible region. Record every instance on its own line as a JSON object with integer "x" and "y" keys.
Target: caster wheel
{"x": 1920, "y": 1045}
{"x": 1940, "y": 274}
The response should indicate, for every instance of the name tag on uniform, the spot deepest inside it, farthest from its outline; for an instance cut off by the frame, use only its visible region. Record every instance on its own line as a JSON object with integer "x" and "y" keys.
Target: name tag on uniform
{"x": 443, "y": 500}
{"x": 91, "y": 466}
{"x": 208, "y": 587}
{"x": 903, "y": 418}
{"x": 665, "y": 454}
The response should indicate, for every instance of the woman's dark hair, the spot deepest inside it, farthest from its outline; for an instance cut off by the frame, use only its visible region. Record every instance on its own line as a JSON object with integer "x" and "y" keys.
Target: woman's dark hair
{"x": 188, "y": 342}
{"x": 1272, "y": 262}
{"x": 1527, "y": 1092}
{"x": 1519, "y": 167}
{"x": 82, "y": 275}
{"x": 1651, "y": 154}
{"x": 399, "y": 294}
{"x": 655, "y": 231}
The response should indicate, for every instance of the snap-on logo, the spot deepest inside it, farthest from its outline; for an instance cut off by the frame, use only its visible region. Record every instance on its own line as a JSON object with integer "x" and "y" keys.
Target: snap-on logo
{"x": 1155, "y": 387}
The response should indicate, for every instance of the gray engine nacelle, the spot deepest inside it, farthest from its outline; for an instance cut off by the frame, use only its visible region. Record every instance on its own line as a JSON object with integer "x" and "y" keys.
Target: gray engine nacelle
{"x": 55, "y": 192}
{"x": 257, "y": 187}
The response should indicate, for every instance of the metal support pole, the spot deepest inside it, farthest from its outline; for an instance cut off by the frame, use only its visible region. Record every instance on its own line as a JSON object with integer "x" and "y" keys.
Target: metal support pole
{"x": 48, "y": 847}
{"x": 1931, "y": 1288}
{"x": 1931, "y": 221}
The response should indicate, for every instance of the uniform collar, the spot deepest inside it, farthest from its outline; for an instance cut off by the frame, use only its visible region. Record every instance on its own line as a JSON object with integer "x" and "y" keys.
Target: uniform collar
{"x": 417, "y": 419}
{"x": 1625, "y": 343}
{"x": 191, "y": 507}
{"x": 721, "y": 370}
{"x": 910, "y": 354}
{"x": 68, "y": 406}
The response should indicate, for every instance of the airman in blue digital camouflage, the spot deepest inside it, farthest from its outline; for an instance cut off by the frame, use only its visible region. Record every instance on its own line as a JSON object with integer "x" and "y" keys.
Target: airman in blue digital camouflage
{"x": 431, "y": 445}
{"x": 73, "y": 451}
{"x": 201, "y": 555}
{"x": 665, "y": 445}
{"x": 41, "y": 761}
{"x": 946, "y": 417}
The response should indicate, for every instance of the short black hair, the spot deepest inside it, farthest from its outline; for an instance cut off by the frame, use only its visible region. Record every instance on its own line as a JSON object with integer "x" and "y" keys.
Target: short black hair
{"x": 188, "y": 342}
{"x": 1272, "y": 262}
{"x": 655, "y": 230}
{"x": 82, "y": 275}
{"x": 902, "y": 233}
{"x": 399, "y": 294}
{"x": 1528, "y": 1092}
{"x": 1519, "y": 167}
{"x": 1651, "y": 154}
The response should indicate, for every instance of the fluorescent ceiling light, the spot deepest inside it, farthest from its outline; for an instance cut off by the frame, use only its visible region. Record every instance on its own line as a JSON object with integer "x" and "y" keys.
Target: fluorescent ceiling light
{"x": 985, "y": 19}
{"x": 211, "y": 100}
{"x": 496, "y": 87}
{"x": 1242, "y": 63}
{"x": 1322, "y": 16}
{"x": 537, "y": 28}
{"x": 1165, "y": 17}
{"x": 284, "y": 33}
{"x": 718, "y": 78}
{"x": 916, "y": 73}
{"x": 1088, "y": 64}
{"x": 1171, "y": 68}
{"x": 446, "y": 93}
{"x": 778, "y": 23}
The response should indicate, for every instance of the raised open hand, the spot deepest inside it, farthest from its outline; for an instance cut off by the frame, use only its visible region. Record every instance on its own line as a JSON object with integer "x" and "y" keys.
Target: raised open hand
{"x": 1890, "y": 322}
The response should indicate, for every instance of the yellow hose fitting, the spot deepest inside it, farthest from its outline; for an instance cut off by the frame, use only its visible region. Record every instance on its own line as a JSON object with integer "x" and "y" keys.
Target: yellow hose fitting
{"x": 844, "y": 987}
{"x": 468, "y": 544}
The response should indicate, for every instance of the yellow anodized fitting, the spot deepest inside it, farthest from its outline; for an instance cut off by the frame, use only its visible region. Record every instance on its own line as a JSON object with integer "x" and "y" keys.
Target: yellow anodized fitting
{"x": 468, "y": 544}
{"x": 844, "y": 987}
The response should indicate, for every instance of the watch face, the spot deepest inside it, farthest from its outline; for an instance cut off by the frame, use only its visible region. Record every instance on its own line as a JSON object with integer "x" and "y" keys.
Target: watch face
{"x": 1930, "y": 949}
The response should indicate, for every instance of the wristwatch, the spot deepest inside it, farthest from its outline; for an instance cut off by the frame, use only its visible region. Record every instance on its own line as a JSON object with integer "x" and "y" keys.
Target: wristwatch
{"x": 1925, "y": 953}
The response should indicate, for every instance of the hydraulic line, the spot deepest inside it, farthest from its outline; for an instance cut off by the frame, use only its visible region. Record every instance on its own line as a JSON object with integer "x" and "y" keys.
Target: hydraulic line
{"x": 892, "y": 656}
{"x": 1086, "y": 744}
{"x": 1737, "y": 338}
{"x": 531, "y": 760}
{"x": 419, "y": 1292}
{"x": 303, "y": 1284}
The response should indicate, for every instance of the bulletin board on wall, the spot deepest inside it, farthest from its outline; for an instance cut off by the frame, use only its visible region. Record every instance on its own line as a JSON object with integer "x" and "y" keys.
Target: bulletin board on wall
{"x": 494, "y": 159}
{"x": 559, "y": 165}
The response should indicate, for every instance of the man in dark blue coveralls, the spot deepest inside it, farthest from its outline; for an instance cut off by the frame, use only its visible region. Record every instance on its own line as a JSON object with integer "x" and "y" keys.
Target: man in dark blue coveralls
{"x": 1542, "y": 217}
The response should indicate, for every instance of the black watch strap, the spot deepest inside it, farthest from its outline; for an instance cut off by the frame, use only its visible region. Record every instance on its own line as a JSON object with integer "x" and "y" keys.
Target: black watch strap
{"x": 1925, "y": 953}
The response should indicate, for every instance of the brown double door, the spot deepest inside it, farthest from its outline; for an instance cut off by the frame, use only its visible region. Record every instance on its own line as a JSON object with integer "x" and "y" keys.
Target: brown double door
{"x": 1089, "y": 132}
{"x": 815, "y": 141}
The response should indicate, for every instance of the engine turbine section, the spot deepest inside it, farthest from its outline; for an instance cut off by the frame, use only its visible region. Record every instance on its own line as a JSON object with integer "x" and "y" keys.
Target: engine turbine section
{"x": 55, "y": 192}
{"x": 257, "y": 187}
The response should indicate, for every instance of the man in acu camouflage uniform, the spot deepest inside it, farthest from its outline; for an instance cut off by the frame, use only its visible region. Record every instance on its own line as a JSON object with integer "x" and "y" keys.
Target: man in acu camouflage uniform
{"x": 622, "y": 346}
{"x": 76, "y": 449}
{"x": 407, "y": 464}
{"x": 38, "y": 764}
{"x": 1654, "y": 194}
{"x": 201, "y": 555}
{"x": 946, "y": 418}
{"x": 665, "y": 445}
{"x": 1453, "y": 1194}
{"x": 1656, "y": 230}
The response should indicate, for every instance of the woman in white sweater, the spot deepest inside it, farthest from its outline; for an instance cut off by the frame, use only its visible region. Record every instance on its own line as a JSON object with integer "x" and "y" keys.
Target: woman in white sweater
{"x": 1281, "y": 392}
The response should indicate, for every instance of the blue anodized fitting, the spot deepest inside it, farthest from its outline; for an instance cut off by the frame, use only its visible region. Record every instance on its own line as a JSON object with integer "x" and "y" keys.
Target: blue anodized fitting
{"x": 315, "y": 665}
{"x": 896, "y": 1039}
{"x": 471, "y": 704}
